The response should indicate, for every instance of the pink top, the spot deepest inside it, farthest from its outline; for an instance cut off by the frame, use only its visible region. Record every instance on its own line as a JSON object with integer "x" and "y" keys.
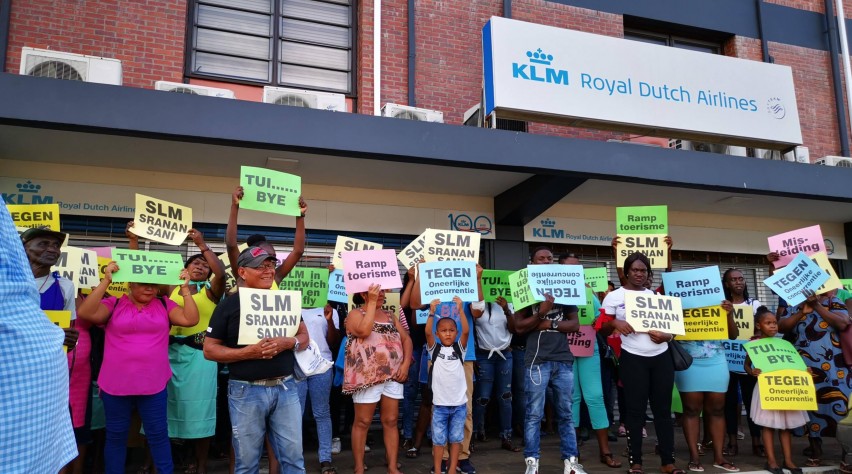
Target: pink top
{"x": 136, "y": 347}
{"x": 80, "y": 370}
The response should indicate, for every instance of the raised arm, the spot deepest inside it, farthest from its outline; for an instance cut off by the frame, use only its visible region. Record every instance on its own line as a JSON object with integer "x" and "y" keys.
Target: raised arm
{"x": 231, "y": 246}
{"x": 465, "y": 327}
{"x": 430, "y": 323}
{"x": 188, "y": 315}
{"x": 416, "y": 302}
{"x": 621, "y": 278}
{"x": 298, "y": 245}
{"x": 526, "y": 320}
{"x": 91, "y": 309}
{"x": 332, "y": 336}
{"x": 405, "y": 296}
{"x": 217, "y": 286}
{"x": 360, "y": 324}
{"x": 733, "y": 330}
{"x": 132, "y": 239}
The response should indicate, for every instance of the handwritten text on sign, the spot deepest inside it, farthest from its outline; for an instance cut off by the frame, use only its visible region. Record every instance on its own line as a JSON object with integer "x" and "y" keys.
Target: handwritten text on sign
{"x": 270, "y": 191}
{"x": 366, "y": 267}
{"x": 582, "y": 343}
{"x": 161, "y": 221}
{"x": 565, "y": 283}
{"x": 451, "y": 245}
{"x": 773, "y": 353}
{"x": 445, "y": 280}
{"x": 801, "y": 274}
{"x": 35, "y": 215}
{"x": 312, "y": 282}
{"x": 646, "y": 312}
{"x": 413, "y": 252}
{"x": 705, "y": 324}
{"x": 653, "y": 246}
{"x": 787, "y": 390}
{"x": 348, "y": 244}
{"x": 495, "y": 283}
{"x": 147, "y": 267}
{"x": 268, "y": 313}
{"x": 696, "y": 288}
{"x": 522, "y": 295}
{"x": 642, "y": 220}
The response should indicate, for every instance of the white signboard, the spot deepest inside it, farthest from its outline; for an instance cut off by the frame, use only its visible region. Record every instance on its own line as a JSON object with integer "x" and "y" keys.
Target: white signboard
{"x": 560, "y": 75}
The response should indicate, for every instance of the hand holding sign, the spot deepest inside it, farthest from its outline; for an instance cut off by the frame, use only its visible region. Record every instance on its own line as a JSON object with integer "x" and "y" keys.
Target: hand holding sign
{"x": 147, "y": 267}
{"x": 787, "y": 245}
{"x": 270, "y": 191}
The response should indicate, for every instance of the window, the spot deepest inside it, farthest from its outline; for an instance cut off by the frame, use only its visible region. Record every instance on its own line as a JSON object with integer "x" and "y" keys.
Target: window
{"x": 293, "y": 43}
{"x": 663, "y": 39}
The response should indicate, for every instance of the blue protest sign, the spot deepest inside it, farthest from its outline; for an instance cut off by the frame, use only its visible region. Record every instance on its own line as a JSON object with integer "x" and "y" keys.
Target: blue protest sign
{"x": 801, "y": 274}
{"x": 422, "y": 315}
{"x": 445, "y": 279}
{"x": 566, "y": 283}
{"x": 696, "y": 288}
{"x": 336, "y": 287}
{"x": 735, "y": 354}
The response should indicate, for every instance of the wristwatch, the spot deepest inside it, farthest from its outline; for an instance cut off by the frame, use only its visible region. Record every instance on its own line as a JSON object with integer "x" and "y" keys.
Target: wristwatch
{"x": 296, "y": 345}
{"x": 554, "y": 324}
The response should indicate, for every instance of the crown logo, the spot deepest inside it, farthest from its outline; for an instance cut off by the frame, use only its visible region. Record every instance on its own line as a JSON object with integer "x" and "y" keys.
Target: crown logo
{"x": 539, "y": 57}
{"x": 28, "y": 187}
{"x": 547, "y": 222}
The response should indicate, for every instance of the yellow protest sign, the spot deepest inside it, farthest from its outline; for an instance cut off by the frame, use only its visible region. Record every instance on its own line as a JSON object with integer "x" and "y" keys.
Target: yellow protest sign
{"x": 787, "y": 390}
{"x": 230, "y": 281}
{"x": 705, "y": 324}
{"x": 451, "y": 245}
{"x": 35, "y": 215}
{"x": 161, "y": 221}
{"x": 652, "y": 245}
{"x": 744, "y": 317}
{"x": 348, "y": 244}
{"x": 649, "y": 312}
{"x": 114, "y": 289}
{"x": 268, "y": 313}
{"x": 391, "y": 303}
{"x": 59, "y": 318}
{"x": 833, "y": 283}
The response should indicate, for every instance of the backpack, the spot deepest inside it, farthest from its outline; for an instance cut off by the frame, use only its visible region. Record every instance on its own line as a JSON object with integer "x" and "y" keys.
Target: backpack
{"x": 437, "y": 350}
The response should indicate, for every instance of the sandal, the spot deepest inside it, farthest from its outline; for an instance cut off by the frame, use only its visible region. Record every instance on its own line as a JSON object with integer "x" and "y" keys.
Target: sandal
{"x": 610, "y": 461}
{"x": 412, "y": 453}
{"x": 793, "y": 470}
{"x": 636, "y": 470}
{"x": 327, "y": 468}
{"x": 509, "y": 446}
{"x": 701, "y": 451}
{"x": 845, "y": 468}
{"x": 727, "y": 466}
{"x": 694, "y": 466}
{"x": 773, "y": 470}
{"x": 731, "y": 450}
{"x": 814, "y": 462}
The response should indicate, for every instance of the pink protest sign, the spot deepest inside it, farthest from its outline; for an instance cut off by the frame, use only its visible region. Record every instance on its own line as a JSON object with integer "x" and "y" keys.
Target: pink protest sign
{"x": 582, "y": 343}
{"x": 808, "y": 240}
{"x": 105, "y": 252}
{"x": 363, "y": 268}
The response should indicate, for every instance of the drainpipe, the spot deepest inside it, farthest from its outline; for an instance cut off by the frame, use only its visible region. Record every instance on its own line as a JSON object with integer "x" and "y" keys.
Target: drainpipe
{"x": 5, "y": 18}
{"x": 507, "y": 8}
{"x": 844, "y": 48}
{"x": 831, "y": 28}
{"x": 764, "y": 45}
{"x": 412, "y": 56}
{"x": 377, "y": 57}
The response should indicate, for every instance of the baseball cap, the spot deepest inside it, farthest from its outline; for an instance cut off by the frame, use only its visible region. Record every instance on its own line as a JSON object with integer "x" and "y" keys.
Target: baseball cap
{"x": 42, "y": 231}
{"x": 253, "y": 257}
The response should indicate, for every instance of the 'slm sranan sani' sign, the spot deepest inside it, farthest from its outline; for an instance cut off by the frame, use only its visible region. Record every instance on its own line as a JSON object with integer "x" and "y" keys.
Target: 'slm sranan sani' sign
{"x": 557, "y": 75}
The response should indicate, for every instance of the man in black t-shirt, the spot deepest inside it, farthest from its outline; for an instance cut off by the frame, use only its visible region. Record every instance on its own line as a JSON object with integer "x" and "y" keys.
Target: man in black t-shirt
{"x": 261, "y": 389}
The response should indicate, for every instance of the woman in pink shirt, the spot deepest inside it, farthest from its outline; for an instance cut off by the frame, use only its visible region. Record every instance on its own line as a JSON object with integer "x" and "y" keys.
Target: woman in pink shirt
{"x": 136, "y": 368}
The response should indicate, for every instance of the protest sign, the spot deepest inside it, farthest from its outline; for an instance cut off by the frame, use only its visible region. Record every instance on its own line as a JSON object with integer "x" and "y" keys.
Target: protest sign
{"x": 646, "y": 312}
{"x": 787, "y": 390}
{"x": 774, "y": 353}
{"x": 230, "y": 281}
{"x": 413, "y": 252}
{"x": 363, "y": 268}
{"x": 270, "y": 191}
{"x": 268, "y": 313}
{"x": 522, "y": 295}
{"x": 696, "y": 288}
{"x": 653, "y": 246}
{"x": 422, "y": 315}
{"x": 161, "y": 221}
{"x": 582, "y": 342}
{"x": 642, "y": 220}
{"x": 116, "y": 289}
{"x": 391, "y": 304}
{"x": 447, "y": 279}
{"x": 744, "y": 317}
{"x": 496, "y": 283}
{"x": 140, "y": 266}
{"x": 79, "y": 266}
{"x": 586, "y": 312}
{"x": 801, "y": 274}
{"x": 807, "y": 240}
{"x": 59, "y": 318}
{"x": 597, "y": 278}
{"x": 833, "y": 282}
{"x": 35, "y": 215}
{"x": 312, "y": 282}
{"x": 564, "y": 282}
{"x": 451, "y": 245}
{"x": 847, "y": 284}
{"x": 336, "y": 288}
{"x": 348, "y": 244}
{"x": 735, "y": 354}
{"x": 704, "y": 324}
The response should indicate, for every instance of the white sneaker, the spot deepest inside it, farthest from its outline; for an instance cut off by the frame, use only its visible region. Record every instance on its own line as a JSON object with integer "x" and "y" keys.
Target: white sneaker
{"x": 532, "y": 466}
{"x": 572, "y": 466}
{"x": 366, "y": 448}
{"x": 335, "y": 446}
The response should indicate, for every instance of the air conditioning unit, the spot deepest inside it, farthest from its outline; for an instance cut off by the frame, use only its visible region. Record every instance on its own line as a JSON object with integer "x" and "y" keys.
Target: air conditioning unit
{"x": 193, "y": 89}
{"x": 839, "y": 161}
{"x": 798, "y": 155}
{"x": 707, "y": 147}
{"x": 473, "y": 118}
{"x": 412, "y": 113}
{"x": 303, "y": 98}
{"x": 74, "y": 67}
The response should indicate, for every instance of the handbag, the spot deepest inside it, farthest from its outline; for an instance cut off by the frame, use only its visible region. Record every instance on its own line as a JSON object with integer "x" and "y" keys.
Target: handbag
{"x": 311, "y": 362}
{"x": 681, "y": 359}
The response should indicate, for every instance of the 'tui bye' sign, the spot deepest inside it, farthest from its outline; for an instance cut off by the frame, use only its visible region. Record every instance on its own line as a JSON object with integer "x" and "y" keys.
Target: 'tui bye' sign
{"x": 270, "y": 191}
{"x": 147, "y": 267}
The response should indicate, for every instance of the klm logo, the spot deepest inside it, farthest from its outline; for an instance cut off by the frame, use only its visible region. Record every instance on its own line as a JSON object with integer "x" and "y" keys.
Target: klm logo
{"x": 539, "y": 69}
{"x": 28, "y": 193}
{"x": 548, "y": 230}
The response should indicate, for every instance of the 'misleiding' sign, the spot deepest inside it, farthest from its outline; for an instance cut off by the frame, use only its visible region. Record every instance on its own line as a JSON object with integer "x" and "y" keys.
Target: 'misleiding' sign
{"x": 549, "y": 74}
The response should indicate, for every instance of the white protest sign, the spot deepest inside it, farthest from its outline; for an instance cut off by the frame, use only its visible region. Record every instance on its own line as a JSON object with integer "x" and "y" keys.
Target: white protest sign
{"x": 161, "y": 221}
{"x": 646, "y": 312}
{"x": 348, "y": 244}
{"x": 565, "y": 283}
{"x": 451, "y": 245}
{"x": 268, "y": 313}
{"x": 413, "y": 252}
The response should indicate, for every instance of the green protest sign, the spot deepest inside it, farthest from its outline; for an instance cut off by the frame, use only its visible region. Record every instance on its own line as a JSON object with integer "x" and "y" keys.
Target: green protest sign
{"x": 773, "y": 353}
{"x": 522, "y": 295}
{"x": 847, "y": 284}
{"x": 586, "y": 312}
{"x": 270, "y": 191}
{"x": 496, "y": 283}
{"x": 642, "y": 220}
{"x": 140, "y": 266}
{"x": 312, "y": 282}
{"x": 596, "y": 278}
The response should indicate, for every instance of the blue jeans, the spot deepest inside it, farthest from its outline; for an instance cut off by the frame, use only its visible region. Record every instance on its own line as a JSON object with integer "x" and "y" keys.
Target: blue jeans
{"x": 518, "y": 386}
{"x": 319, "y": 387}
{"x": 152, "y": 410}
{"x": 494, "y": 375}
{"x": 410, "y": 394}
{"x": 560, "y": 376}
{"x": 253, "y": 408}
{"x": 448, "y": 424}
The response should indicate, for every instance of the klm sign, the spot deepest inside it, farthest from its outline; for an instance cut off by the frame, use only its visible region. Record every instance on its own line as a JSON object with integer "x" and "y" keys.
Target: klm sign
{"x": 539, "y": 69}
{"x": 27, "y": 193}
{"x": 548, "y": 230}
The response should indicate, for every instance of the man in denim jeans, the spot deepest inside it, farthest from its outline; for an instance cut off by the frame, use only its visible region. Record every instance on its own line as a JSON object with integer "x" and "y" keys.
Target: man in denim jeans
{"x": 261, "y": 389}
{"x": 548, "y": 362}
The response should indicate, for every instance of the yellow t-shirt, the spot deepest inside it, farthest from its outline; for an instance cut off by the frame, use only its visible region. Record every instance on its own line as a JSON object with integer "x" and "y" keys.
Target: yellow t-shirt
{"x": 205, "y": 311}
